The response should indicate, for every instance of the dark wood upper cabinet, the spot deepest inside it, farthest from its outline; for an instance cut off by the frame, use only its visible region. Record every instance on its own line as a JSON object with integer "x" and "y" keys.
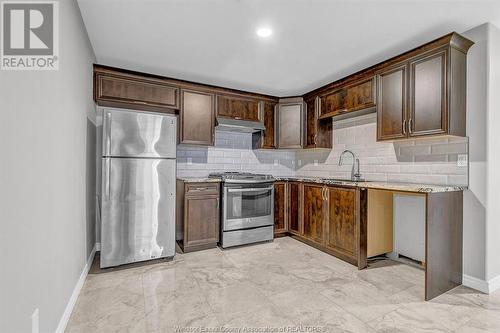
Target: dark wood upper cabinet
{"x": 391, "y": 103}
{"x": 197, "y": 118}
{"x": 332, "y": 103}
{"x": 353, "y": 97}
{"x": 318, "y": 133}
{"x": 293, "y": 209}
{"x": 135, "y": 92}
{"x": 237, "y": 107}
{"x": 280, "y": 223}
{"x": 426, "y": 94}
{"x": 428, "y": 105}
{"x": 267, "y": 138}
{"x": 312, "y": 212}
{"x": 197, "y": 215}
{"x": 341, "y": 229}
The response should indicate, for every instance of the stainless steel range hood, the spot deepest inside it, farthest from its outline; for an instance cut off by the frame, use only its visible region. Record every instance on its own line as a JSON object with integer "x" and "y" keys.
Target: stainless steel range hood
{"x": 236, "y": 125}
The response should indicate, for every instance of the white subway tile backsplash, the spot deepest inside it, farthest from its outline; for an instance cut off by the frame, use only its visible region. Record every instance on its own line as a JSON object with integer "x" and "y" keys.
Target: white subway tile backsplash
{"x": 422, "y": 160}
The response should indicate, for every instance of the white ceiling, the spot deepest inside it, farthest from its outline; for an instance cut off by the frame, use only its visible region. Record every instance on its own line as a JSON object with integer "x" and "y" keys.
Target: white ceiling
{"x": 314, "y": 41}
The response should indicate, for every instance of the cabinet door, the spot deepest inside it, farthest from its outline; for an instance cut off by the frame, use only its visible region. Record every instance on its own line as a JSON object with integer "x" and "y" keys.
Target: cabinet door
{"x": 293, "y": 199}
{"x": 318, "y": 132}
{"x": 391, "y": 103}
{"x": 238, "y": 107}
{"x": 428, "y": 95}
{"x": 135, "y": 92}
{"x": 279, "y": 208}
{"x": 290, "y": 125}
{"x": 360, "y": 96}
{"x": 311, "y": 120}
{"x": 341, "y": 225}
{"x": 197, "y": 118}
{"x": 269, "y": 134}
{"x": 312, "y": 213}
{"x": 333, "y": 103}
{"x": 201, "y": 225}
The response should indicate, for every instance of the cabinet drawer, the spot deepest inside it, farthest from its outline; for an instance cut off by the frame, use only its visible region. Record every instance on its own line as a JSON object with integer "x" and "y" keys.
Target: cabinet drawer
{"x": 136, "y": 91}
{"x": 202, "y": 189}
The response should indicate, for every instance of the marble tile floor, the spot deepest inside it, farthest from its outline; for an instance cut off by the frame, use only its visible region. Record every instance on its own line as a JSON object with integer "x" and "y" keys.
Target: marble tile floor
{"x": 283, "y": 284}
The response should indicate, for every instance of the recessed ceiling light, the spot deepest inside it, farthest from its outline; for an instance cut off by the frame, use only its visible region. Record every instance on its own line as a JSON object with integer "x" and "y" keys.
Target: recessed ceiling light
{"x": 264, "y": 32}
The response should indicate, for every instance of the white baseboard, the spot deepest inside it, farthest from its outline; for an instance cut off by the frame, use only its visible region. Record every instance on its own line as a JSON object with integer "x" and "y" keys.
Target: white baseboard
{"x": 475, "y": 283}
{"x": 484, "y": 286}
{"x": 76, "y": 291}
{"x": 494, "y": 284}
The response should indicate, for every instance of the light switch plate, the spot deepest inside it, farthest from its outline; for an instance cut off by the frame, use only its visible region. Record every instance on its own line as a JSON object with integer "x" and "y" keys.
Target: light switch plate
{"x": 189, "y": 161}
{"x": 462, "y": 160}
{"x": 276, "y": 162}
{"x": 315, "y": 162}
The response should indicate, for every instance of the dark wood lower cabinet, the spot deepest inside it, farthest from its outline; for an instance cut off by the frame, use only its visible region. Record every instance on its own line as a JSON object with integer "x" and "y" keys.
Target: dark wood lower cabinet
{"x": 197, "y": 218}
{"x": 334, "y": 219}
{"x": 293, "y": 209}
{"x": 313, "y": 212}
{"x": 341, "y": 228}
{"x": 329, "y": 218}
{"x": 280, "y": 225}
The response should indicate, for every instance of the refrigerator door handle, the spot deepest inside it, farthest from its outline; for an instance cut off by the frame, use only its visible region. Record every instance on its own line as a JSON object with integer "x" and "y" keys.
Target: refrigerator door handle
{"x": 107, "y": 178}
{"x": 108, "y": 133}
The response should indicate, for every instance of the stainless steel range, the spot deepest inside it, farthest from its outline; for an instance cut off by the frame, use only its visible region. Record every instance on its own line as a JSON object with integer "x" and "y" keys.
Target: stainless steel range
{"x": 247, "y": 208}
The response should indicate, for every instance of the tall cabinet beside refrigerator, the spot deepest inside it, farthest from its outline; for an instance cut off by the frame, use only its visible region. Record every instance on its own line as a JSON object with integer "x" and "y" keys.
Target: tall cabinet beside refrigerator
{"x": 138, "y": 186}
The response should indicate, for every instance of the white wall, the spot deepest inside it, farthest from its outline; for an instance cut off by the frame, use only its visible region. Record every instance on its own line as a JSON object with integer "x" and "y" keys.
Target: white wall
{"x": 475, "y": 198}
{"x": 493, "y": 147}
{"x": 46, "y": 181}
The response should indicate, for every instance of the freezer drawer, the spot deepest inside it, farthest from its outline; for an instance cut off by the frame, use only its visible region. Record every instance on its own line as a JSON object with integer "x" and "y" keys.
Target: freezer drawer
{"x": 138, "y": 134}
{"x": 138, "y": 210}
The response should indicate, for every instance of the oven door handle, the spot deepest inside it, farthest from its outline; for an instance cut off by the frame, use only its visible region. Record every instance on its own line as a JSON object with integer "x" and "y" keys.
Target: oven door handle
{"x": 233, "y": 190}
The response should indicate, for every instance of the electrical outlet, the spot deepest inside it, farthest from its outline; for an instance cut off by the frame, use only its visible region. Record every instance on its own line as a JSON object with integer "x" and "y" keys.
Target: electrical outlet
{"x": 315, "y": 162}
{"x": 35, "y": 322}
{"x": 276, "y": 162}
{"x": 462, "y": 160}
{"x": 189, "y": 161}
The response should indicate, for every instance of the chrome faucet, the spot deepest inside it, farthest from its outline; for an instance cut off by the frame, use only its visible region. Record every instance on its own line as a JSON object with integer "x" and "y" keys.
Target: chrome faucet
{"x": 355, "y": 175}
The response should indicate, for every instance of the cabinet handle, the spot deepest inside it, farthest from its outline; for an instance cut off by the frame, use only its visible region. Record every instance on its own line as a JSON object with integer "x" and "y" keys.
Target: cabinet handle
{"x": 410, "y": 123}
{"x": 201, "y": 189}
{"x": 140, "y": 102}
{"x": 217, "y": 203}
{"x": 315, "y": 135}
{"x": 404, "y": 126}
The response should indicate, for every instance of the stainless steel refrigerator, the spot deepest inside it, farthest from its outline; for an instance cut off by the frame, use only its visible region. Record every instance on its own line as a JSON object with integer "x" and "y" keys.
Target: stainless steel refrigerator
{"x": 138, "y": 186}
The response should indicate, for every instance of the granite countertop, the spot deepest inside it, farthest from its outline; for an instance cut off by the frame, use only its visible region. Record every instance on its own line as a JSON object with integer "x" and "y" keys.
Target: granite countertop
{"x": 392, "y": 186}
{"x": 199, "y": 180}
